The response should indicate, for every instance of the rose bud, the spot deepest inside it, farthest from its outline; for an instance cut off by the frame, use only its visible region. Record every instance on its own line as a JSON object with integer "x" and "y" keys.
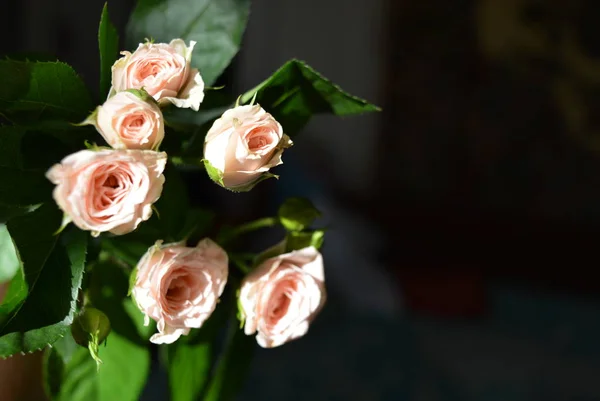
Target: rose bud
{"x": 242, "y": 145}
{"x": 163, "y": 70}
{"x": 129, "y": 120}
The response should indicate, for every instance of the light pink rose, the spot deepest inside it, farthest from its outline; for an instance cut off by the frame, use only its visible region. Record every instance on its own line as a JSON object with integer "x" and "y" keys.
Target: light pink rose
{"x": 127, "y": 121}
{"x": 179, "y": 287}
{"x": 108, "y": 190}
{"x": 281, "y": 297}
{"x": 243, "y": 145}
{"x": 163, "y": 70}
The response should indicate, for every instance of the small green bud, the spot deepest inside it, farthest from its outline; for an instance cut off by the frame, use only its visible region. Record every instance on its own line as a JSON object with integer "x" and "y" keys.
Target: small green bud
{"x": 90, "y": 329}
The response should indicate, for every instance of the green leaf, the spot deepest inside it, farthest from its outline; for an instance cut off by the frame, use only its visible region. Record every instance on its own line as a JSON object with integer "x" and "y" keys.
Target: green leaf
{"x": 301, "y": 240}
{"x": 8, "y": 212}
{"x": 122, "y": 375}
{"x": 172, "y": 205}
{"x": 249, "y": 186}
{"x": 125, "y": 356}
{"x": 142, "y": 94}
{"x": 233, "y": 363}
{"x": 296, "y": 214}
{"x": 16, "y": 293}
{"x": 189, "y": 369}
{"x": 188, "y": 120}
{"x": 216, "y": 25}
{"x": 53, "y": 268}
{"x": 10, "y": 146}
{"x": 66, "y": 347}
{"x": 197, "y": 222}
{"x": 192, "y": 359}
{"x": 216, "y": 176}
{"x": 23, "y": 187}
{"x": 128, "y": 250}
{"x": 69, "y": 134}
{"x": 34, "y": 91}
{"x": 41, "y": 151}
{"x": 10, "y": 269}
{"x": 9, "y": 260}
{"x": 214, "y": 173}
{"x": 132, "y": 280}
{"x": 138, "y": 319}
{"x": 108, "y": 43}
{"x": 296, "y": 92}
{"x": 108, "y": 292}
{"x": 53, "y": 371}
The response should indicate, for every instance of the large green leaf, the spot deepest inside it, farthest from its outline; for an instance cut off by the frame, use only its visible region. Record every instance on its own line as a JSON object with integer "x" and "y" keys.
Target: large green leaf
{"x": 125, "y": 357}
{"x": 172, "y": 205}
{"x": 32, "y": 91}
{"x": 108, "y": 43}
{"x": 296, "y": 92}
{"x": 56, "y": 358}
{"x": 189, "y": 369}
{"x": 53, "y": 370}
{"x": 9, "y": 260}
{"x": 191, "y": 360}
{"x": 121, "y": 376}
{"x": 38, "y": 145}
{"x": 10, "y": 146}
{"x": 232, "y": 366}
{"x": 23, "y": 187}
{"x": 53, "y": 268}
{"x": 7, "y": 211}
{"x": 128, "y": 249}
{"x": 197, "y": 224}
{"x": 108, "y": 292}
{"x": 217, "y": 27}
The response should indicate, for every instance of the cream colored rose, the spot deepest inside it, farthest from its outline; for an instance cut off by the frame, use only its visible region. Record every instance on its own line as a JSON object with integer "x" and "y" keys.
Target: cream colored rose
{"x": 108, "y": 190}
{"x": 128, "y": 121}
{"x": 242, "y": 145}
{"x": 179, "y": 287}
{"x": 281, "y": 297}
{"x": 163, "y": 70}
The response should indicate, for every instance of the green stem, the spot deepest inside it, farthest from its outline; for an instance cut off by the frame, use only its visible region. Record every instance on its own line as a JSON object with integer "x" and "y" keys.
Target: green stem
{"x": 265, "y": 222}
{"x": 239, "y": 262}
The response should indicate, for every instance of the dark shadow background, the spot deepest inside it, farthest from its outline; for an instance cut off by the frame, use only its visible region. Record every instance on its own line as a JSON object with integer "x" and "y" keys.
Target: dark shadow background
{"x": 464, "y": 219}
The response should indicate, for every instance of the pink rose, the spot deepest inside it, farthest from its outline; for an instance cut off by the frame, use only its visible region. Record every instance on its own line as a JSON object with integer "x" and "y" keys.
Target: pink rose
{"x": 281, "y": 297}
{"x": 108, "y": 190}
{"x": 179, "y": 287}
{"x": 128, "y": 121}
{"x": 242, "y": 146}
{"x": 163, "y": 70}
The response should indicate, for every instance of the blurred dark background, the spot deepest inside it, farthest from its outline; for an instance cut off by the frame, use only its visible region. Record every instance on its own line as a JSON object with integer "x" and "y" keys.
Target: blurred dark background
{"x": 463, "y": 219}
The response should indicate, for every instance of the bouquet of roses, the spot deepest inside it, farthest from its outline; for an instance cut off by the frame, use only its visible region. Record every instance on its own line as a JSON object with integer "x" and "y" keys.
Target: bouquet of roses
{"x": 102, "y": 251}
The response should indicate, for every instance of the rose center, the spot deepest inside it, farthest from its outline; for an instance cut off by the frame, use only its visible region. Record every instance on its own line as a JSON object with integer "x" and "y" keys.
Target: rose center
{"x": 149, "y": 70}
{"x": 179, "y": 290}
{"x": 257, "y": 143}
{"x": 137, "y": 122}
{"x": 111, "y": 182}
{"x": 110, "y": 187}
{"x": 259, "y": 140}
{"x": 281, "y": 304}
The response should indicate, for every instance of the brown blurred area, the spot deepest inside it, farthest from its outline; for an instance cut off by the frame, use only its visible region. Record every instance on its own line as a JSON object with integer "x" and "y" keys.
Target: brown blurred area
{"x": 21, "y": 375}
